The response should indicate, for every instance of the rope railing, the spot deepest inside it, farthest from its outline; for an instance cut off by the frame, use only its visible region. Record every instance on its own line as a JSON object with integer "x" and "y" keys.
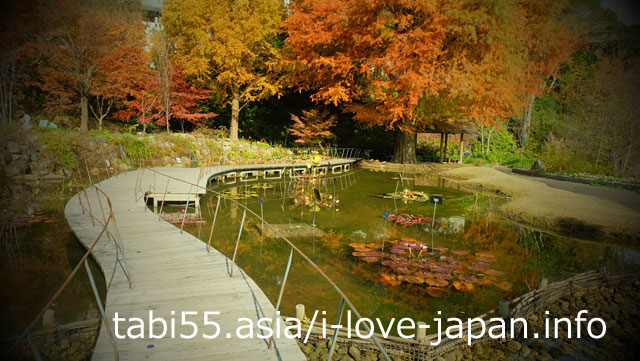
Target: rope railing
{"x": 105, "y": 222}
{"x": 293, "y": 249}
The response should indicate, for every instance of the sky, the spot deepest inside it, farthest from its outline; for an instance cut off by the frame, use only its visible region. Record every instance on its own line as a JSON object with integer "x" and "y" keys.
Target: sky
{"x": 628, "y": 11}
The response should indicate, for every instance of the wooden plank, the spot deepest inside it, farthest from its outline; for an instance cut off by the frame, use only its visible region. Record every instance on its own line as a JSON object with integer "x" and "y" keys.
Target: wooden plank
{"x": 173, "y": 272}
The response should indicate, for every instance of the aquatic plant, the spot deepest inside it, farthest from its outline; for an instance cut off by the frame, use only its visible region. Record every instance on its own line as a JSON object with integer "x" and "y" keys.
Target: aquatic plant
{"x": 407, "y": 196}
{"x": 405, "y": 219}
{"x": 440, "y": 269}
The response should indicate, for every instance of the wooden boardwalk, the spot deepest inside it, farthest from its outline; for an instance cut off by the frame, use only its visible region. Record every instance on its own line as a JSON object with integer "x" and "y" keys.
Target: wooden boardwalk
{"x": 172, "y": 271}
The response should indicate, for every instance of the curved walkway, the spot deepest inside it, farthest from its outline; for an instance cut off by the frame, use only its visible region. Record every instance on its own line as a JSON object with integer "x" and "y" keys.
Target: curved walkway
{"x": 627, "y": 198}
{"x": 171, "y": 271}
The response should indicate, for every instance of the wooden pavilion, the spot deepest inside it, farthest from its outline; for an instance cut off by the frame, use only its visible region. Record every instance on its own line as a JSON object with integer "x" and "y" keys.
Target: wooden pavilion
{"x": 445, "y": 128}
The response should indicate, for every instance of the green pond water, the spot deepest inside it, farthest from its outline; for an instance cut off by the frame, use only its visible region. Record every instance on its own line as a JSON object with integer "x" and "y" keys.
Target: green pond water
{"x": 33, "y": 271}
{"x": 466, "y": 222}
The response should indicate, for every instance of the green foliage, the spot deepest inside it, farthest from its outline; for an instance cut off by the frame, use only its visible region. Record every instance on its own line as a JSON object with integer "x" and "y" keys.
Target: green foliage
{"x": 547, "y": 119}
{"x": 502, "y": 150}
{"x": 261, "y": 144}
{"x": 249, "y": 154}
{"x": 426, "y": 151}
{"x": 104, "y": 134}
{"x": 181, "y": 145}
{"x": 136, "y": 148}
{"x": 58, "y": 147}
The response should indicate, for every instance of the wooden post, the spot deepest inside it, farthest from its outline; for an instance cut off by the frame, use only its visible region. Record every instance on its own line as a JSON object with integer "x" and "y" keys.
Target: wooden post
{"x": 441, "y": 142}
{"x": 421, "y": 333}
{"x": 446, "y": 140}
{"x": 461, "y": 147}
{"x": 300, "y": 312}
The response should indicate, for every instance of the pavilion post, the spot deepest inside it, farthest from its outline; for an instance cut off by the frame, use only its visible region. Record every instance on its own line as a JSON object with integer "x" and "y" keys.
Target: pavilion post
{"x": 441, "y": 143}
{"x": 461, "y": 147}
{"x": 446, "y": 140}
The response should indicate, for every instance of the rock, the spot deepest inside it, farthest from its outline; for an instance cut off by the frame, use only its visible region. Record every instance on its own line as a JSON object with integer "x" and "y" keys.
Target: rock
{"x": 306, "y": 348}
{"x": 514, "y": 345}
{"x": 344, "y": 357}
{"x": 40, "y": 168}
{"x": 537, "y": 165}
{"x": 355, "y": 353}
{"x": 64, "y": 344}
{"x": 478, "y": 350}
{"x": 48, "y": 320}
{"x": 451, "y": 356}
{"x": 25, "y": 122}
{"x": 565, "y": 306}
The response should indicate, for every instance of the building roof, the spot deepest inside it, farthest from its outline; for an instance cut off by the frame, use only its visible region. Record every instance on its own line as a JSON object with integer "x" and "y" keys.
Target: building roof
{"x": 461, "y": 126}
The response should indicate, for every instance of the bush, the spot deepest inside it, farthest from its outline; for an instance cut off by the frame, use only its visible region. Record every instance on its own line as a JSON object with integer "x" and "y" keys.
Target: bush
{"x": 104, "y": 134}
{"x": 58, "y": 148}
{"x": 136, "y": 148}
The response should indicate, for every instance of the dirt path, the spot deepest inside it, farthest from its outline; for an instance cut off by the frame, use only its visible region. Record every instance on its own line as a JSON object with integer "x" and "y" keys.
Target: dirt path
{"x": 566, "y": 207}
{"x": 627, "y": 198}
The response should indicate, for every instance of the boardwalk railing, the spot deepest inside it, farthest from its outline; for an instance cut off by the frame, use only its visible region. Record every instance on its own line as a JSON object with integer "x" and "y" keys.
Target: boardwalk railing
{"x": 345, "y": 153}
{"x": 109, "y": 227}
{"x": 293, "y": 249}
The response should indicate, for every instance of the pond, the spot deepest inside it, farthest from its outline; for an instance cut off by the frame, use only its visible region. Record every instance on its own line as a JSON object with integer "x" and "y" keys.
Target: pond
{"x": 388, "y": 269}
{"x": 35, "y": 263}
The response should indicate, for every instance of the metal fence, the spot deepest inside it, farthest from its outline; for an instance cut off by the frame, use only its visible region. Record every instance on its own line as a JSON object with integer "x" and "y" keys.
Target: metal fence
{"x": 345, "y": 153}
{"x": 109, "y": 228}
{"x": 344, "y": 300}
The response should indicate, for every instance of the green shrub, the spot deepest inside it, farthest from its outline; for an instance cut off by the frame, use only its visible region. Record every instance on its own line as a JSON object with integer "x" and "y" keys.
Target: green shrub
{"x": 104, "y": 134}
{"x": 58, "y": 148}
{"x": 136, "y": 148}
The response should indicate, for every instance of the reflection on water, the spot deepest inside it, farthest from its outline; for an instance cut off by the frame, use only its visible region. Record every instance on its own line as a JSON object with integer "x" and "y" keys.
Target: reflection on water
{"x": 33, "y": 270}
{"x": 501, "y": 260}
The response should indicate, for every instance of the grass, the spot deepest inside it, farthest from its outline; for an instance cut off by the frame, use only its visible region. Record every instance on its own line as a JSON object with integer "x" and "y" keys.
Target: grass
{"x": 136, "y": 148}
{"x": 58, "y": 148}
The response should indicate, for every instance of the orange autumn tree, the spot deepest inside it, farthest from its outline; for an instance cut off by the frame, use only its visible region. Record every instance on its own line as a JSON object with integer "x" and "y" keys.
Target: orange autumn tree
{"x": 228, "y": 46}
{"x": 313, "y": 128}
{"x": 547, "y": 41}
{"x": 118, "y": 76}
{"x": 380, "y": 59}
{"x": 77, "y": 37}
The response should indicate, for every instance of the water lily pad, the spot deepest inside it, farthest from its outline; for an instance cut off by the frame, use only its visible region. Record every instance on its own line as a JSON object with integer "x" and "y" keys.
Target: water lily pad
{"x": 463, "y": 286}
{"x": 416, "y": 279}
{"x": 437, "y": 282}
{"x": 389, "y": 280}
{"x": 370, "y": 259}
{"x": 459, "y": 252}
{"x": 505, "y": 286}
{"x": 492, "y": 272}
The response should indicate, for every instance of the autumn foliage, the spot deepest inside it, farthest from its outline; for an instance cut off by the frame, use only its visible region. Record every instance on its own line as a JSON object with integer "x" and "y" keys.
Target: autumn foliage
{"x": 81, "y": 42}
{"x": 228, "y": 46}
{"x": 313, "y": 128}
{"x": 381, "y": 59}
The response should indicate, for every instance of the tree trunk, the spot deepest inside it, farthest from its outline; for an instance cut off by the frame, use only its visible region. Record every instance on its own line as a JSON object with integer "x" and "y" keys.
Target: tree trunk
{"x": 166, "y": 114}
{"x": 489, "y": 140}
{"x": 482, "y": 140}
{"x": 525, "y": 125}
{"x": 235, "y": 113}
{"x": 461, "y": 147}
{"x": 446, "y": 144}
{"x": 405, "y": 147}
{"x": 84, "y": 114}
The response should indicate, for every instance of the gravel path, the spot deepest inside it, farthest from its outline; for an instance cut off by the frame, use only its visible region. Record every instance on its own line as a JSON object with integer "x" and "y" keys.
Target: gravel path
{"x": 630, "y": 199}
